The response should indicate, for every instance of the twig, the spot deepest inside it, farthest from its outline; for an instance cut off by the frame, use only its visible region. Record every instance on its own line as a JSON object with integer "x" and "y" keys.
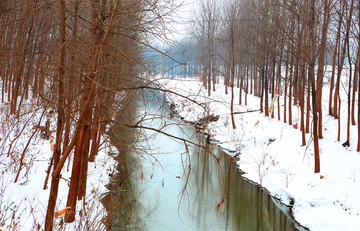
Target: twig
{"x": 243, "y": 112}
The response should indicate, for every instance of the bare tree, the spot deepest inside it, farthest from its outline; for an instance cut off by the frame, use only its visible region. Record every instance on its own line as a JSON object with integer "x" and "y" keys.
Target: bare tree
{"x": 205, "y": 30}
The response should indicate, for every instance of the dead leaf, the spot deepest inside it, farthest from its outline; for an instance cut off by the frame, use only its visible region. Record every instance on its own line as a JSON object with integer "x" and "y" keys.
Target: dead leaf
{"x": 61, "y": 212}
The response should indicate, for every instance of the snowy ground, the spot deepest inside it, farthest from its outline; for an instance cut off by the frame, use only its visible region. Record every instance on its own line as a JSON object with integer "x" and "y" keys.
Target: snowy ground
{"x": 23, "y": 204}
{"x": 324, "y": 201}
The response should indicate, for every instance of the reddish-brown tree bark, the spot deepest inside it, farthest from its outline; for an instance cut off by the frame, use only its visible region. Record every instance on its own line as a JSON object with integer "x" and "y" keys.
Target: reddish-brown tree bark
{"x": 354, "y": 86}
{"x": 60, "y": 123}
{"x": 342, "y": 59}
{"x": 334, "y": 58}
{"x": 320, "y": 71}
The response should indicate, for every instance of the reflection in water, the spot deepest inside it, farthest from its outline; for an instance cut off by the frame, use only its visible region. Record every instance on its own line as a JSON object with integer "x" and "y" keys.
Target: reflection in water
{"x": 174, "y": 186}
{"x": 121, "y": 202}
{"x": 237, "y": 204}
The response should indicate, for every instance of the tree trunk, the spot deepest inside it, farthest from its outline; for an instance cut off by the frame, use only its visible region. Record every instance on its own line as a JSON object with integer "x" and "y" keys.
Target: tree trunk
{"x": 290, "y": 89}
{"x": 343, "y": 54}
{"x": 240, "y": 84}
{"x": 286, "y": 85}
{"x": 19, "y": 74}
{"x": 302, "y": 103}
{"x": 358, "y": 103}
{"x": 349, "y": 93}
{"x": 233, "y": 76}
{"x": 247, "y": 83}
{"x": 320, "y": 71}
{"x": 278, "y": 79}
{"x": 354, "y": 86}
{"x": 273, "y": 75}
{"x": 60, "y": 123}
{"x": 307, "y": 129}
{"x": 266, "y": 88}
{"x": 312, "y": 59}
{"x": 261, "y": 88}
{"x": 337, "y": 43}
{"x": 75, "y": 175}
{"x": 226, "y": 78}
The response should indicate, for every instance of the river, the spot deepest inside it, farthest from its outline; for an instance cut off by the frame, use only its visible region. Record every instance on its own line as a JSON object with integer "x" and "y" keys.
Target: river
{"x": 164, "y": 183}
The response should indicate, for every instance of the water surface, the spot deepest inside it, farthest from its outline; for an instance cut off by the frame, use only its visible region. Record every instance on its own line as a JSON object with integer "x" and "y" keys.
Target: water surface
{"x": 166, "y": 183}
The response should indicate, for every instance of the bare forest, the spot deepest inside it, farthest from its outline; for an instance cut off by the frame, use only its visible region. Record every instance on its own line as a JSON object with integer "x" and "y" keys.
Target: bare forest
{"x": 283, "y": 48}
{"x": 68, "y": 68}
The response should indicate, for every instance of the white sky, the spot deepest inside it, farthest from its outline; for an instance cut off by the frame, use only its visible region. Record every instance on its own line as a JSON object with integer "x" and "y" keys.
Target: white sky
{"x": 182, "y": 17}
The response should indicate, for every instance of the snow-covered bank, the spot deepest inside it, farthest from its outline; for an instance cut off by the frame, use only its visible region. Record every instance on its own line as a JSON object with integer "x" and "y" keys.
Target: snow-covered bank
{"x": 23, "y": 204}
{"x": 272, "y": 156}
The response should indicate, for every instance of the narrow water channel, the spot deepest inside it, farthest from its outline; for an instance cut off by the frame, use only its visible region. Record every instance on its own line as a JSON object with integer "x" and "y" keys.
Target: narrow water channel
{"x": 169, "y": 185}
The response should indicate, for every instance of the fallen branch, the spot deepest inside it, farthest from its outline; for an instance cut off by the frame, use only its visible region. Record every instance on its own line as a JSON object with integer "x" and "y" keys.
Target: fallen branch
{"x": 243, "y": 112}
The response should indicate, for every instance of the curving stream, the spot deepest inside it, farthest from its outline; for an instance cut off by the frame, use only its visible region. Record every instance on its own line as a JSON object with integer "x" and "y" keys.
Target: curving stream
{"x": 169, "y": 185}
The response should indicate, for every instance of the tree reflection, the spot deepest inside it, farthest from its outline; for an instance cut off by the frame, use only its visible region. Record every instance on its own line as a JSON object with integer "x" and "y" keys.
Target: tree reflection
{"x": 171, "y": 185}
{"x": 217, "y": 188}
{"x": 121, "y": 202}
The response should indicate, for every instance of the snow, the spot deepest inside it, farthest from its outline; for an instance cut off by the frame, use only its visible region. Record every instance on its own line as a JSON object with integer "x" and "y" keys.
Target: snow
{"x": 271, "y": 154}
{"x": 23, "y": 204}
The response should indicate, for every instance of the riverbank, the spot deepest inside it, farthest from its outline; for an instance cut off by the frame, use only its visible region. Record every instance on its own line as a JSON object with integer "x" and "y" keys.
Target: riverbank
{"x": 24, "y": 202}
{"x": 270, "y": 154}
